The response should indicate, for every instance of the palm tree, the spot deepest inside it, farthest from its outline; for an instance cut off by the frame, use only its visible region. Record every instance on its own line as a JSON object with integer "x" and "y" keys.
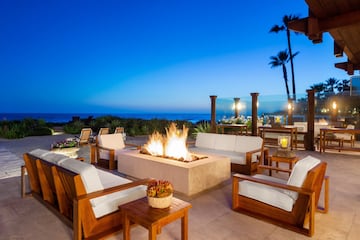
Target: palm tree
{"x": 330, "y": 85}
{"x": 276, "y": 28}
{"x": 343, "y": 86}
{"x": 319, "y": 89}
{"x": 280, "y": 60}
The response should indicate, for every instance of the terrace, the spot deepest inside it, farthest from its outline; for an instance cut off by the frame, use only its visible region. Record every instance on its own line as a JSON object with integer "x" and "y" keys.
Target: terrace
{"x": 211, "y": 216}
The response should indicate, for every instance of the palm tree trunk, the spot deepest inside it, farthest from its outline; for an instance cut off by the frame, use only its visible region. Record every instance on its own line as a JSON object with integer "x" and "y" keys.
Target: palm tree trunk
{"x": 291, "y": 64}
{"x": 286, "y": 81}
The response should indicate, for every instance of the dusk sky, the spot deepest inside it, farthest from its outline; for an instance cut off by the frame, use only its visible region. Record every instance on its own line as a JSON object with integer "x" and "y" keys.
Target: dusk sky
{"x": 140, "y": 55}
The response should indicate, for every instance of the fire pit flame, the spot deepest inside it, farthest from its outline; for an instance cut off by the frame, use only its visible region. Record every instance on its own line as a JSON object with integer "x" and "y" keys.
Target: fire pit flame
{"x": 173, "y": 145}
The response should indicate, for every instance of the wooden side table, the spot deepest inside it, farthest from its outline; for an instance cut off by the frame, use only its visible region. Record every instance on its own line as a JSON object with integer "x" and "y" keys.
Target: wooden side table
{"x": 154, "y": 219}
{"x": 290, "y": 160}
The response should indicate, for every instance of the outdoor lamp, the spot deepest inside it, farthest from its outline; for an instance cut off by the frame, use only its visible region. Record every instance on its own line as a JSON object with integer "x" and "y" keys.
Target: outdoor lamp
{"x": 334, "y": 105}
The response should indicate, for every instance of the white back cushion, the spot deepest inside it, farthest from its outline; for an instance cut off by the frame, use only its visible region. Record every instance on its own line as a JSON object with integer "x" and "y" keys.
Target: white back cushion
{"x": 225, "y": 142}
{"x": 39, "y": 152}
{"x": 54, "y": 157}
{"x": 89, "y": 174}
{"x": 113, "y": 141}
{"x": 247, "y": 143}
{"x": 300, "y": 171}
{"x": 205, "y": 140}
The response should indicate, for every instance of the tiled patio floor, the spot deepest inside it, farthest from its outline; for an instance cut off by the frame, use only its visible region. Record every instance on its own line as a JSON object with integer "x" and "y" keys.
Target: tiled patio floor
{"x": 211, "y": 216}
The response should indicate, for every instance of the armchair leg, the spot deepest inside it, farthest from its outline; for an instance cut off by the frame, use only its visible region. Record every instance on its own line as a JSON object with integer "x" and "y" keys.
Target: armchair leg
{"x": 325, "y": 209}
{"x": 23, "y": 183}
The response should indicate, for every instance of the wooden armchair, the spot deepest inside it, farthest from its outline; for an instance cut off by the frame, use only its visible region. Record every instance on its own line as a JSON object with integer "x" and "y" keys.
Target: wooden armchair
{"x": 103, "y": 131}
{"x": 104, "y": 152}
{"x": 285, "y": 203}
{"x": 85, "y": 136}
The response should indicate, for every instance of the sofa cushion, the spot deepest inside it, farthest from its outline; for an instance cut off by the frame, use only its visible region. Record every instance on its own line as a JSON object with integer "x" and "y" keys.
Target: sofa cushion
{"x": 109, "y": 180}
{"x": 39, "y": 152}
{"x": 54, "y": 157}
{"x": 270, "y": 195}
{"x": 113, "y": 141}
{"x": 245, "y": 144}
{"x": 300, "y": 171}
{"x": 112, "y": 201}
{"x": 89, "y": 174}
{"x": 225, "y": 142}
{"x": 205, "y": 140}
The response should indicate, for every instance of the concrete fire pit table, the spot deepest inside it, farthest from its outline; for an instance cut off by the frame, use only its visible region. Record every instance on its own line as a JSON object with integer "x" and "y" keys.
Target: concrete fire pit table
{"x": 188, "y": 178}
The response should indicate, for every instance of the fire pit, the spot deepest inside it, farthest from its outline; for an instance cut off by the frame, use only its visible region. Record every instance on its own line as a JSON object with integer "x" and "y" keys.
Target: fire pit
{"x": 187, "y": 175}
{"x": 171, "y": 146}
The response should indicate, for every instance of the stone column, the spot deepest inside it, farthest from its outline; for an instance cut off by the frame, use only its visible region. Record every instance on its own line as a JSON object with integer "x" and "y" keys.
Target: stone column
{"x": 254, "y": 113}
{"x": 213, "y": 114}
{"x": 309, "y": 137}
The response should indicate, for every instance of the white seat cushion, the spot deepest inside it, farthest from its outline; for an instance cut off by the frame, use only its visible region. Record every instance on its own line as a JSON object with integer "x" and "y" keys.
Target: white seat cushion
{"x": 104, "y": 204}
{"x": 270, "y": 195}
{"x": 110, "y": 203}
{"x": 89, "y": 174}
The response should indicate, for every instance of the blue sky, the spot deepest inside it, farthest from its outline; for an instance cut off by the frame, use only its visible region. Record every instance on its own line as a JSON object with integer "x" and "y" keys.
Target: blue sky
{"x": 157, "y": 56}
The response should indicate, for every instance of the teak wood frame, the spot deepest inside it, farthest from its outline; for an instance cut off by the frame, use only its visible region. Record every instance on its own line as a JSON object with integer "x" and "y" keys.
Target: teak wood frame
{"x": 303, "y": 209}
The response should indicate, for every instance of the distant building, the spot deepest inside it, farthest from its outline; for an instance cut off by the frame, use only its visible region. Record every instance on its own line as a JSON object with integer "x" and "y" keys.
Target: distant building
{"x": 355, "y": 86}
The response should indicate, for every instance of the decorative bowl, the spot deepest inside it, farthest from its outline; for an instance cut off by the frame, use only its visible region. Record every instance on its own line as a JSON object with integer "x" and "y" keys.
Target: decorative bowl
{"x": 162, "y": 202}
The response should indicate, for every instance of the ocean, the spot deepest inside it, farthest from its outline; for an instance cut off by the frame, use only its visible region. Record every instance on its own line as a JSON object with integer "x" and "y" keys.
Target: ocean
{"x": 66, "y": 117}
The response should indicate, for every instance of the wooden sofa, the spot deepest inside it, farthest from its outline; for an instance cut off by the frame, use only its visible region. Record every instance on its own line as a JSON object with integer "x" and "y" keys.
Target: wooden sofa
{"x": 244, "y": 152}
{"x": 285, "y": 203}
{"x": 84, "y": 197}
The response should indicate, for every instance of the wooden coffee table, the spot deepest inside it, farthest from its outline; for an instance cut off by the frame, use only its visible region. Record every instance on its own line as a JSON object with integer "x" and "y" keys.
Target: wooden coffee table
{"x": 154, "y": 219}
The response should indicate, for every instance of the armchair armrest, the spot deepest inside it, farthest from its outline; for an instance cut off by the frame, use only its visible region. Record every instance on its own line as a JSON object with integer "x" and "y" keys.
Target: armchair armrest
{"x": 249, "y": 154}
{"x": 95, "y": 155}
{"x": 273, "y": 184}
{"x": 138, "y": 147}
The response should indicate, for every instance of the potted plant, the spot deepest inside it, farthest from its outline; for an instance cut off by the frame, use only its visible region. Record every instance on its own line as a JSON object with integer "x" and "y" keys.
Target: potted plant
{"x": 159, "y": 193}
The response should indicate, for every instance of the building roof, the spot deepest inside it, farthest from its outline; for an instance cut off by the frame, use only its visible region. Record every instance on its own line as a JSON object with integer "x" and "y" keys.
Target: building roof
{"x": 341, "y": 18}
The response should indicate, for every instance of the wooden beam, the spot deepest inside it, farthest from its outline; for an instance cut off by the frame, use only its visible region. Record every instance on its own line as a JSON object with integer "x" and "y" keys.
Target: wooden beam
{"x": 338, "y": 50}
{"x": 313, "y": 26}
{"x": 348, "y": 66}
